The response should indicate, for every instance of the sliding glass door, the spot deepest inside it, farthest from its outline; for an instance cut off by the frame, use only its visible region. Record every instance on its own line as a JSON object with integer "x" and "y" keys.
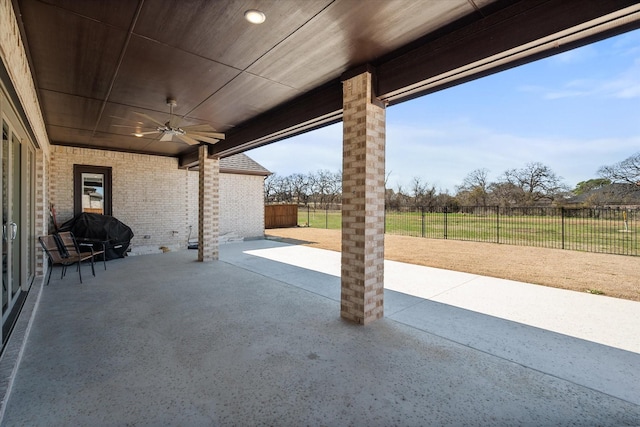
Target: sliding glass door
{"x": 18, "y": 240}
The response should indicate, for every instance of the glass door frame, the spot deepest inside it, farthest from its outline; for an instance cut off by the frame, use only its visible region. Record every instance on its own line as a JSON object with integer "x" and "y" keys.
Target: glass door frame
{"x": 21, "y": 175}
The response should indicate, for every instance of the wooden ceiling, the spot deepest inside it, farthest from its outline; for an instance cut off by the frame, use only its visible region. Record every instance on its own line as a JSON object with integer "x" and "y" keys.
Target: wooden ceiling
{"x": 96, "y": 62}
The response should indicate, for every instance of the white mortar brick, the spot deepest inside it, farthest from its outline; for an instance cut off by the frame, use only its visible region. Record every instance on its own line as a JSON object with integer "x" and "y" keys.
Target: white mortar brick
{"x": 155, "y": 198}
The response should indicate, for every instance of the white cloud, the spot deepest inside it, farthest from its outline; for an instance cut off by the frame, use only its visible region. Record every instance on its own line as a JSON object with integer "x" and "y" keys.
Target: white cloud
{"x": 618, "y": 59}
{"x": 566, "y": 94}
{"x": 626, "y": 84}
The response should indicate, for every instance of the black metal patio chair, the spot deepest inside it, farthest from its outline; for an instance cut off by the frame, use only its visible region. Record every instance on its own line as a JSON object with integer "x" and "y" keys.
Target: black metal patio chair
{"x": 59, "y": 253}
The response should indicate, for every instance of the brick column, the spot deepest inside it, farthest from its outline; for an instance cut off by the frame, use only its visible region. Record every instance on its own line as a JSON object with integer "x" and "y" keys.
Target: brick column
{"x": 362, "y": 202}
{"x": 208, "y": 205}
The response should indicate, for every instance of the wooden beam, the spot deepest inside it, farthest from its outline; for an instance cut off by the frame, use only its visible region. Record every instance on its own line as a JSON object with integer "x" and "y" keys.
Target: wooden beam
{"x": 512, "y": 36}
{"x": 315, "y": 109}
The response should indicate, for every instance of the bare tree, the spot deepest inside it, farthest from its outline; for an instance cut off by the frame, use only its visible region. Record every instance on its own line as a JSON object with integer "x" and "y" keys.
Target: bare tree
{"x": 626, "y": 171}
{"x": 299, "y": 188}
{"x": 271, "y": 185}
{"x": 506, "y": 194}
{"x": 326, "y": 187}
{"x": 423, "y": 195}
{"x": 475, "y": 188}
{"x": 536, "y": 183}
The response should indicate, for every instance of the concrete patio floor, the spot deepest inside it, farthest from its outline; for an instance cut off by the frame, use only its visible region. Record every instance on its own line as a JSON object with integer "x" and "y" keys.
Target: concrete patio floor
{"x": 256, "y": 339}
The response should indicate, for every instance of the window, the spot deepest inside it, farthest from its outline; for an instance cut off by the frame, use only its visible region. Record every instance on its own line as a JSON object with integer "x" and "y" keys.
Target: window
{"x": 91, "y": 189}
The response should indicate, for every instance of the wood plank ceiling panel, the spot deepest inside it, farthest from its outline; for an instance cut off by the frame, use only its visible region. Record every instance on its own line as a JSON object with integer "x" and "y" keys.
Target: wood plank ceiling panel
{"x": 71, "y": 136}
{"x": 218, "y": 30}
{"x": 70, "y": 111}
{"x": 151, "y": 72}
{"x": 117, "y": 13}
{"x": 244, "y": 97}
{"x": 72, "y": 54}
{"x": 351, "y": 33}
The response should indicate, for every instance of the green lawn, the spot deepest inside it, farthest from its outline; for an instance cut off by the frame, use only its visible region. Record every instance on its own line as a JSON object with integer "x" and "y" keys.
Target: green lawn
{"x": 608, "y": 235}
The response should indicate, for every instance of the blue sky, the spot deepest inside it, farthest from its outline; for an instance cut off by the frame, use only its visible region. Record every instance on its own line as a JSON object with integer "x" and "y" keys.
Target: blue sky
{"x": 574, "y": 112}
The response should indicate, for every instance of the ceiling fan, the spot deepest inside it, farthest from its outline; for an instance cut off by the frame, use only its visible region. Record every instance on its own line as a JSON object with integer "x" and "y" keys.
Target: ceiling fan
{"x": 192, "y": 135}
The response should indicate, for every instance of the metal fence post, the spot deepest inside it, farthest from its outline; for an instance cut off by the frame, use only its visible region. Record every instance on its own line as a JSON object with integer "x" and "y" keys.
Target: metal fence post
{"x": 422, "y": 219}
{"x": 445, "y": 222}
{"x": 497, "y": 224}
{"x": 326, "y": 217}
{"x": 308, "y": 217}
{"x": 562, "y": 219}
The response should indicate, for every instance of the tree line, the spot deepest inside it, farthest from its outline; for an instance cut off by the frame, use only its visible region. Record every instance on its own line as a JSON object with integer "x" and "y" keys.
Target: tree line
{"x": 533, "y": 185}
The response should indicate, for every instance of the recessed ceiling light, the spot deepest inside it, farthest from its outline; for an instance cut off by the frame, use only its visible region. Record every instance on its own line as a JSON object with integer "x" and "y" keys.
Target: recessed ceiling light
{"x": 254, "y": 16}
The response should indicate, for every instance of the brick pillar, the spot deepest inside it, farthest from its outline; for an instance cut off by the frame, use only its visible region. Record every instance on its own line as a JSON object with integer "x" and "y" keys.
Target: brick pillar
{"x": 208, "y": 205}
{"x": 362, "y": 202}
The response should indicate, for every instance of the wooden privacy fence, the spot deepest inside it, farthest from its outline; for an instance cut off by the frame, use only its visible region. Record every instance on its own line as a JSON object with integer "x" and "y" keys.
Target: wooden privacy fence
{"x": 277, "y": 216}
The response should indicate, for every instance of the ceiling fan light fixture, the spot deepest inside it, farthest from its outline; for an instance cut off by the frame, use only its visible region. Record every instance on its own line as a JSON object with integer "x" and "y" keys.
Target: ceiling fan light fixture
{"x": 168, "y": 130}
{"x": 255, "y": 16}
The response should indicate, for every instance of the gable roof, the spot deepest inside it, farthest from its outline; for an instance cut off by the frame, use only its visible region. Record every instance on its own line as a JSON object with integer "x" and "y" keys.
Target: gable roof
{"x": 242, "y": 164}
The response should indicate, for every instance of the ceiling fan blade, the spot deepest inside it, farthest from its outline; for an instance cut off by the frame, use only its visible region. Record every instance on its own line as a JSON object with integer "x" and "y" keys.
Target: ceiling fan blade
{"x": 188, "y": 139}
{"x": 166, "y": 137}
{"x": 125, "y": 126}
{"x": 199, "y": 128}
{"x": 145, "y": 133}
{"x": 151, "y": 119}
{"x": 126, "y": 120}
{"x": 203, "y": 138}
{"x": 214, "y": 135}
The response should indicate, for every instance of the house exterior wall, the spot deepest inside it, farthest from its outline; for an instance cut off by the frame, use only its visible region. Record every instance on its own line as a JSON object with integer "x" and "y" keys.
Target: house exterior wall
{"x": 241, "y": 205}
{"x": 156, "y": 199}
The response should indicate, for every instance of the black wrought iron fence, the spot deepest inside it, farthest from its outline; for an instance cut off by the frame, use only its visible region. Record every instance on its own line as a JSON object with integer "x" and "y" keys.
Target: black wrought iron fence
{"x": 604, "y": 230}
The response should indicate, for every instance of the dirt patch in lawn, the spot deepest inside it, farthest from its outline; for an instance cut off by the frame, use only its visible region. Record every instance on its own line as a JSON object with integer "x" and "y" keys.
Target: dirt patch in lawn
{"x": 612, "y": 275}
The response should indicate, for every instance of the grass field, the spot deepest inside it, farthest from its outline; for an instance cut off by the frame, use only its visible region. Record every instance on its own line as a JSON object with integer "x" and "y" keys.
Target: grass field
{"x": 603, "y": 234}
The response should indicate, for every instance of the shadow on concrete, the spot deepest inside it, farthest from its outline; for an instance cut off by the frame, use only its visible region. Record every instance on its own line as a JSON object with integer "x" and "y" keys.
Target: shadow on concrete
{"x": 288, "y": 241}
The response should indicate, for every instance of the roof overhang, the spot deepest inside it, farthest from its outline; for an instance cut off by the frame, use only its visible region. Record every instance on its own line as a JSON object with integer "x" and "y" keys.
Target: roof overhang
{"x": 98, "y": 63}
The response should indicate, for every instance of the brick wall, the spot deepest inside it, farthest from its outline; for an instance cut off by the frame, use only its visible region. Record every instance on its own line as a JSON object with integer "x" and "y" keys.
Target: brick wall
{"x": 15, "y": 60}
{"x": 241, "y": 205}
{"x": 156, "y": 199}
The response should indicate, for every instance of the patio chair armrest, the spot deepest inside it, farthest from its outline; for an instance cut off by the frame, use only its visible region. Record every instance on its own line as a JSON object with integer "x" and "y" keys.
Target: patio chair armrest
{"x": 86, "y": 245}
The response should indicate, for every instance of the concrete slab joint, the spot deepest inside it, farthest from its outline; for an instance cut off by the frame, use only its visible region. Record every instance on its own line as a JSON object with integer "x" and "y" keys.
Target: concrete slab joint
{"x": 362, "y": 272}
{"x": 208, "y": 206}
